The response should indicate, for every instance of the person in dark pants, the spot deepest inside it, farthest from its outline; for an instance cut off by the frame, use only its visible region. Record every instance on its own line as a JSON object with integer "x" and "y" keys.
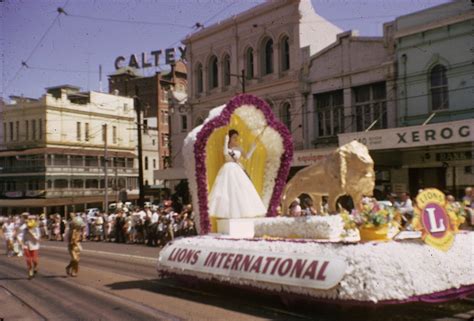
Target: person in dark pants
{"x": 119, "y": 225}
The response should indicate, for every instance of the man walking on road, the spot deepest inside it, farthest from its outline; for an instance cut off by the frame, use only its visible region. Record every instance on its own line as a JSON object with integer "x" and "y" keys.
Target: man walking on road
{"x": 30, "y": 240}
{"x": 74, "y": 245}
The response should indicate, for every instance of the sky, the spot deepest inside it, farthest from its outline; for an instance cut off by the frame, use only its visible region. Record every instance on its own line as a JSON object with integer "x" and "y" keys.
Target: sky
{"x": 68, "y": 48}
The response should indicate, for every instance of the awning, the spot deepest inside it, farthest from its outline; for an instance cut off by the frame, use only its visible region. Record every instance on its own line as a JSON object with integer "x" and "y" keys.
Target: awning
{"x": 170, "y": 174}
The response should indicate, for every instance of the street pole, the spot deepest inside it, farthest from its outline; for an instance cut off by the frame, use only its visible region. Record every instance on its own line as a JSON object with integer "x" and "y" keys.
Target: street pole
{"x": 106, "y": 179}
{"x": 141, "y": 189}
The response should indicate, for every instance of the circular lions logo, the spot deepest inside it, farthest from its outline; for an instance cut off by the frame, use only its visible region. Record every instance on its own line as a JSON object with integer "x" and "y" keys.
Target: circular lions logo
{"x": 435, "y": 219}
{"x": 431, "y": 212}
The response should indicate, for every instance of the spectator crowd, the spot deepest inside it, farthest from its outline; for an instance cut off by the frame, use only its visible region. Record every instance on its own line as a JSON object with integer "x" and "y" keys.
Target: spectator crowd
{"x": 153, "y": 225}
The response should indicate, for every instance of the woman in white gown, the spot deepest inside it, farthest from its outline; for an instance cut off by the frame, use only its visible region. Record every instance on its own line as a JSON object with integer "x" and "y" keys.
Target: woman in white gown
{"x": 233, "y": 194}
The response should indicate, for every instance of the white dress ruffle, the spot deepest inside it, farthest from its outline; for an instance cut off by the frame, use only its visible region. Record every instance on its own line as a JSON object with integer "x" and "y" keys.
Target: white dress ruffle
{"x": 233, "y": 194}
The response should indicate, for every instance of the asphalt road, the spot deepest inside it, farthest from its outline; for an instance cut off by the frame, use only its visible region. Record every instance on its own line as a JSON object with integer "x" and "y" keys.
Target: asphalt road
{"x": 119, "y": 282}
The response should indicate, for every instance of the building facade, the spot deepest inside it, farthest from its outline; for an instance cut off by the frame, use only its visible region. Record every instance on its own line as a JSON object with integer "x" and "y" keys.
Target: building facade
{"x": 350, "y": 87}
{"x": 262, "y": 51}
{"x": 54, "y": 150}
{"x": 153, "y": 93}
{"x": 432, "y": 145}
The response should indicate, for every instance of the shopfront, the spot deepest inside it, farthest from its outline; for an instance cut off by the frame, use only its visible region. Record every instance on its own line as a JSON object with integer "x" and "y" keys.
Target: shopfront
{"x": 410, "y": 158}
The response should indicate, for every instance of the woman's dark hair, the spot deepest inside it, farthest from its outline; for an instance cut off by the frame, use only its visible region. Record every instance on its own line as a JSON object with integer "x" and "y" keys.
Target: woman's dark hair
{"x": 233, "y": 132}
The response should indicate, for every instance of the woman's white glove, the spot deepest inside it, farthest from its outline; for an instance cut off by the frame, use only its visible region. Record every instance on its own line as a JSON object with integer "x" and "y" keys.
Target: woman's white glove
{"x": 226, "y": 145}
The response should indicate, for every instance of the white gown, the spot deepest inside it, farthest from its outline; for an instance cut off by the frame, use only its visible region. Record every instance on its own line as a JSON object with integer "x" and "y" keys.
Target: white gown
{"x": 233, "y": 194}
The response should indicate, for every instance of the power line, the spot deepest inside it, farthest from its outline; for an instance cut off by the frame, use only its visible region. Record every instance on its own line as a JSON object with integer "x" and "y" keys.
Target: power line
{"x": 24, "y": 63}
{"x": 130, "y": 21}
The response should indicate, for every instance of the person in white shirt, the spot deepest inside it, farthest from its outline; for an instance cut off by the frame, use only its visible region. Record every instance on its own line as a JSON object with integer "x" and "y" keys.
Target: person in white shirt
{"x": 31, "y": 244}
{"x": 8, "y": 229}
{"x": 405, "y": 207}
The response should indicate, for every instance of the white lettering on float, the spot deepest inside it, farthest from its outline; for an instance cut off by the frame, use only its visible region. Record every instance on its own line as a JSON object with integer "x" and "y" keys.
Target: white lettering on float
{"x": 281, "y": 268}
{"x": 434, "y": 227}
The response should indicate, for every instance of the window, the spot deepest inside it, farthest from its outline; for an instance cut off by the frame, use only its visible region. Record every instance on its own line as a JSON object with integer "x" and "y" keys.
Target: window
{"x": 114, "y": 134}
{"x": 249, "y": 63}
{"x": 226, "y": 68}
{"x": 4, "y": 132}
{"x": 154, "y": 163}
{"x": 86, "y": 134}
{"x": 439, "y": 88}
{"x": 27, "y": 130}
{"x": 165, "y": 138}
{"x": 92, "y": 161}
{"x": 329, "y": 108}
{"x": 40, "y": 129}
{"x": 17, "y": 129}
{"x": 267, "y": 56}
{"x": 78, "y": 131}
{"x": 11, "y": 131}
{"x": 199, "y": 80}
{"x": 146, "y": 162}
{"x": 285, "y": 115}
{"x": 104, "y": 133}
{"x": 61, "y": 183}
{"x": 213, "y": 73}
{"x": 285, "y": 53}
{"x": 145, "y": 126}
{"x": 184, "y": 123}
{"x": 164, "y": 117}
{"x": 370, "y": 106}
{"x": 153, "y": 142}
{"x": 33, "y": 129}
{"x": 77, "y": 183}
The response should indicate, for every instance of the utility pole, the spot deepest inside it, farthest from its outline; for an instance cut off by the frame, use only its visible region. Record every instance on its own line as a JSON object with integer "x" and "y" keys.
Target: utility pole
{"x": 106, "y": 179}
{"x": 240, "y": 77}
{"x": 138, "y": 109}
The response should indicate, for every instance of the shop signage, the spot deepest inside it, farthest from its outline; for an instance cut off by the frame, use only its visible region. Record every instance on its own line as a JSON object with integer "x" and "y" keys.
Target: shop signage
{"x": 454, "y": 156}
{"x": 413, "y": 136}
{"x": 142, "y": 61}
{"x": 435, "y": 221}
{"x": 311, "y": 270}
{"x": 310, "y": 156}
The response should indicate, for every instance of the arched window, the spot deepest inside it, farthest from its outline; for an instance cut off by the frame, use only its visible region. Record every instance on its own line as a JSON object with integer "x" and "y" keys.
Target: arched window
{"x": 199, "y": 80}
{"x": 267, "y": 56}
{"x": 226, "y": 69}
{"x": 285, "y": 53}
{"x": 439, "y": 88}
{"x": 213, "y": 73}
{"x": 249, "y": 63}
{"x": 285, "y": 115}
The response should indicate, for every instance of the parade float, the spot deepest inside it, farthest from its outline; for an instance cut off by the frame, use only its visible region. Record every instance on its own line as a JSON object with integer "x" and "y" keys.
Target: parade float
{"x": 359, "y": 257}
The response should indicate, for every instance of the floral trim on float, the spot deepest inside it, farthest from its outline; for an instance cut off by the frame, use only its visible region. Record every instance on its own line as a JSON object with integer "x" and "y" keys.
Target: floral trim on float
{"x": 273, "y": 137}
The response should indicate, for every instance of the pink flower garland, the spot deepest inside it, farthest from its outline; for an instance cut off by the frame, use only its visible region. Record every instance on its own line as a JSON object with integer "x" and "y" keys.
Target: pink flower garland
{"x": 222, "y": 120}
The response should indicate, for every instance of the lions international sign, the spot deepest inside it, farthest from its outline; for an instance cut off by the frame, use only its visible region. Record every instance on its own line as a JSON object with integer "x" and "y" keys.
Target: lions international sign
{"x": 311, "y": 271}
{"x": 413, "y": 136}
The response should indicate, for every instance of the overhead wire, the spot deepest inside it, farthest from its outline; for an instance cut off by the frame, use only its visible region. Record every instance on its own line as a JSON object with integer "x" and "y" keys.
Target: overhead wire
{"x": 24, "y": 63}
{"x": 130, "y": 21}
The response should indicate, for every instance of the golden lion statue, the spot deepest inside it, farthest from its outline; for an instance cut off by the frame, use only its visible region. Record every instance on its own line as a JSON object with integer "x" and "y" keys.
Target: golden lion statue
{"x": 347, "y": 170}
